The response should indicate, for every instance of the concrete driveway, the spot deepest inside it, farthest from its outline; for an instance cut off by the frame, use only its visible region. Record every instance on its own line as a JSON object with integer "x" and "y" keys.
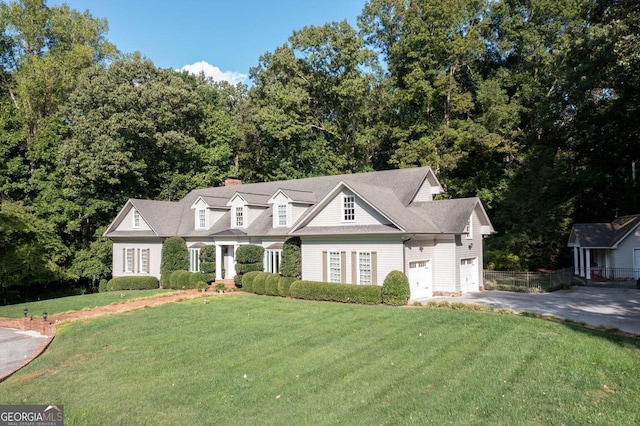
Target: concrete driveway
{"x": 18, "y": 347}
{"x": 610, "y": 307}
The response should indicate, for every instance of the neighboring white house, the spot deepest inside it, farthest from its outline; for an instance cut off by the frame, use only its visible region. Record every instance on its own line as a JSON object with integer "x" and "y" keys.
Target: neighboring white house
{"x": 354, "y": 228}
{"x": 607, "y": 251}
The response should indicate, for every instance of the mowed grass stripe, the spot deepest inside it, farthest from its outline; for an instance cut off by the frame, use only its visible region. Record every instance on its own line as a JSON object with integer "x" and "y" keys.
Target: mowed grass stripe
{"x": 323, "y": 363}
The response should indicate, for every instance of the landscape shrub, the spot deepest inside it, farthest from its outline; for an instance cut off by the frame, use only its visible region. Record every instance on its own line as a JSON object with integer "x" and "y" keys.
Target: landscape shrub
{"x": 291, "y": 263}
{"x": 345, "y": 293}
{"x": 395, "y": 289}
{"x": 175, "y": 255}
{"x": 284, "y": 285}
{"x": 208, "y": 260}
{"x": 102, "y": 287}
{"x": 271, "y": 285}
{"x": 165, "y": 279}
{"x": 259, "y": 283}
{"x": 247, "y": 280}
{"x": 132, "y": 283}
{"x": 179, "y": 279}
{"x": 197, "y": 279}
{"x": 248, "y": 258}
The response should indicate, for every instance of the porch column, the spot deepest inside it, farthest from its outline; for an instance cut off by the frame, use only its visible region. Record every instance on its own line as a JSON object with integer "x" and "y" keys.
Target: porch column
{"x": 588, "y": 264}
{"x": 218, "y": 262}
{"x": 582, "y": 271}
{"x": 232, "y": 263}
{"x": 576, "y": 266}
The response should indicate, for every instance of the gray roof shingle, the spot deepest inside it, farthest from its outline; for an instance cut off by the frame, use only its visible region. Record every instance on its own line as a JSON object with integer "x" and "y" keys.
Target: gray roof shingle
{"x": 602, "y": 235}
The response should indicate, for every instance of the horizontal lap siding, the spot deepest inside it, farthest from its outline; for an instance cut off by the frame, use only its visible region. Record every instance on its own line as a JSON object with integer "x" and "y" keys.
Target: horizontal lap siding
{"x": 155, "y": 255}
{"x": 445, "y": 271}
{"x": 331, "y": 215}
{"x": 623, "y": 255}
{"x": 389, "y": 255}
{"x": 471, "y": 248}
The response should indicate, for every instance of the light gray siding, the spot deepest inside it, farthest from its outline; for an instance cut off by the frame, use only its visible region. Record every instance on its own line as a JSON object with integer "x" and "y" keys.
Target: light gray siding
{"x": 331, "y": 215}
{"x": 467, "y": 248}
{"x": 127, "y": 223}
{"x": 445, "y": 268}
{"x": 424, "y": 193}
{"x": 155, "y": 252}
{"x": 623, "y": 255}
{"x": 389, "y": 255}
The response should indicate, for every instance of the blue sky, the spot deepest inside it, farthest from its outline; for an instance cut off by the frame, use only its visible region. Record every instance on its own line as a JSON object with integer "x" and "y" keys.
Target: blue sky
{"x": 228, "y": 35}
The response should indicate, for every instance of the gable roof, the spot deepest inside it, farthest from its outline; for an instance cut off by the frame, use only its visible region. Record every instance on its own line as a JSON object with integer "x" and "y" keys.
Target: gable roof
{"x": 603, "y": 235}
{"x": 390, "y": 193}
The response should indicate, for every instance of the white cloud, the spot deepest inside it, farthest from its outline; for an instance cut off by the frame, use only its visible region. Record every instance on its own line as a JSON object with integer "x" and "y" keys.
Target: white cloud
{"x": 215, "y": 73}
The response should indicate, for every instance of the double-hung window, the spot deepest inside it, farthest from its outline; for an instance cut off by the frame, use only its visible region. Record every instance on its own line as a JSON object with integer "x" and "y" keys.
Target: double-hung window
{"x": 136, "y": 219}
{"x": 239, "y": 217}
{"x": 364, "y": 267}
{"x": 273, "y": 261}
{"x": 335, "y": 267}
{"x": 282, "y": 215}
{"x": 144, "y": 261}
{"x": 349, "y": 208}
{"x": 202, "y": 218}
{"x": 469, "y": 228}
{"x": 128, "y": 260}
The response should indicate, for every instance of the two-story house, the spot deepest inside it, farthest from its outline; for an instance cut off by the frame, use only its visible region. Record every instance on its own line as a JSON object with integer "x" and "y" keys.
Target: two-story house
{"x": 354, "y": 228}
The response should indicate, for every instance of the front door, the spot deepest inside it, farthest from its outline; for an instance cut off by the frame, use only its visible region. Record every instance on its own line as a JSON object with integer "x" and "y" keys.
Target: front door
{"x": 420, "y": 279}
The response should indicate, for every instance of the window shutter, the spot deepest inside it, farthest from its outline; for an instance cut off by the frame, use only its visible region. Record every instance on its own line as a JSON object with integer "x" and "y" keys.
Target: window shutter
{"x": 148, "y": 261}
{"x": 133, "y": 260}
{"x": 354, "y": 267}
{"x": 124, "y": 260}
{"x": 343, "y": 266}
{"x": 324, "y": 266}
{"x": 374, "y": 267}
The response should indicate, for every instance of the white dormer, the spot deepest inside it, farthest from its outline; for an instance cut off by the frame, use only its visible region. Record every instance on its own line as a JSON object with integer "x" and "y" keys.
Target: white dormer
{"x": 201, "y": 214}
{"x": 429, "y": 187}
{"x": 239, "y": 211}
{"x": 282, "y": 209}
{"x": 133, "y": 221}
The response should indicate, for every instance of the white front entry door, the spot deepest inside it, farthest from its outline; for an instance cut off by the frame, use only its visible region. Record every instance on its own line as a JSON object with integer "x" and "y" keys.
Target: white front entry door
{"x": 468, "y": 275}
{"x": 420, "y": 279}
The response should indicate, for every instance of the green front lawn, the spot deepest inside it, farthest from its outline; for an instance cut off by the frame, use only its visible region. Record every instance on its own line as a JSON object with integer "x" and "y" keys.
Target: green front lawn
{"x": 77, "y": 303}
{"x": 267, "y": 360}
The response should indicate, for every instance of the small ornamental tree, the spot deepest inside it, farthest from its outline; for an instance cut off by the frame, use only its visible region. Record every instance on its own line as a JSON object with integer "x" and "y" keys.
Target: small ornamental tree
{"x": 291, "y": 264}
{"x": 396, "y": 290}
{"x": 175, "y": 257}
{"x": 208, "y": 262}
{"x": 248, "y": 258}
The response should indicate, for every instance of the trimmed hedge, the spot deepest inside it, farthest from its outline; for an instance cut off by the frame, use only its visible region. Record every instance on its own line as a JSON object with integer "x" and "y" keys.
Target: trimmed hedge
{"x": 285, "y": 284}
{"x": 208, "y": 259}
{"x": 249, "y": 253}
{"x": 132, "y": 283}
{"x": 259, "y": 283}
{"x": 345, "y": 293}
{"x": 197, "y": 277}
{"x": 271, "y": 285}
{"x": 179, "y": 279}
{"x": 243, "y": 268}
{"x": 175, "y": 255}
{"x": 396, "y": 290}
{"x": 291, "y": 264}
{"x": 247, "y": 280}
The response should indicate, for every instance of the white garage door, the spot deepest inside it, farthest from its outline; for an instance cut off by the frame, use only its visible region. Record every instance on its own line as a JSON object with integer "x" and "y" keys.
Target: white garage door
{"x": 420, "y": 279}
{"x": 468, "y": 275}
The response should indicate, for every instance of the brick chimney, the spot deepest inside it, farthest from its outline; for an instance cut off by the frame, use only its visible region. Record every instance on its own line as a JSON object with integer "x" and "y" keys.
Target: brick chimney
{"x": 231, "y": 181}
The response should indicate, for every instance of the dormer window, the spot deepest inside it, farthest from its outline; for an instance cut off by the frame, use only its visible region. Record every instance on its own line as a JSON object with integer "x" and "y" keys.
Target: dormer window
{"x": 136, "y": 219}
{"x": 239, "y": 217}
{"x": 348, "y": 208}
{"x": 201, "y": 218}
{"x": 282, "y": 215}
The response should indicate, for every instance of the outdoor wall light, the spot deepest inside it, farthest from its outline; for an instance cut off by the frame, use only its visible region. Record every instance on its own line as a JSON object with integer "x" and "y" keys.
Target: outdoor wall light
{"x": 25, "y": 312}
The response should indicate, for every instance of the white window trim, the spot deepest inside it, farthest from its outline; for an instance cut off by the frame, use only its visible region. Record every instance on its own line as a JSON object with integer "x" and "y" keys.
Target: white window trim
{"x": 144, "y": 266}
{"x": 273, "y": 259}
{"x": 279, "y": 216}
{"x": 352, "y": 199}
{"x": 194, "y": 260}
{"x": 136, "y": 219}
{"x": 340, "y": 266}
{"x": 360, "y": 268}
{"x": 235, "y": 217}
{"x": 199, "y": 224}
{"x": 129, "y": 254}
{"x": 469, "y": 228}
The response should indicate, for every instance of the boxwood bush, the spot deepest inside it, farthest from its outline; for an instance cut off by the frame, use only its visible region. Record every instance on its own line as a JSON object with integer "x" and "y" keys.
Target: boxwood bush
{"x": 271, "y": 285}
{"x": 179, "y": 279}
{"x": 285, "y": 284}
{"x": 132, "y": 283}
{"x": 208, "y": 259}
{"x": 198, "y": 280}
{"x": 248, "y": 258}
{"x": 396, "y": 290}
{"x": 259, "y": 283}
{"x": 345, "y": 293}
{"x": 291, "y": 264}
{"x": 247, "y": 280}
{"x": 175, "y": 255}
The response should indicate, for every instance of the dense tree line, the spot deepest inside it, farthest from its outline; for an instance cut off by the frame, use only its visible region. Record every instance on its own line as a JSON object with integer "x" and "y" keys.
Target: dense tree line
{"x": 532, "y": 105}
